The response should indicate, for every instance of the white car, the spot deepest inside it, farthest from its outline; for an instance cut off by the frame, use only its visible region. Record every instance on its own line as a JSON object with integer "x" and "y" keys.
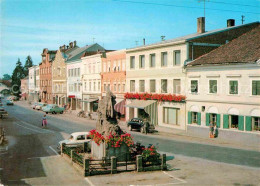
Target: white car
{"x": 40, "y": 105}
{"x": 76, "y": 139}
{"x": 34, "y": 105}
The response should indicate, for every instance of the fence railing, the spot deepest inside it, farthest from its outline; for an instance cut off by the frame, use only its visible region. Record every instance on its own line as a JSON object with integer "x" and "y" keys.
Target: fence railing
{"x": 77, "y": 158}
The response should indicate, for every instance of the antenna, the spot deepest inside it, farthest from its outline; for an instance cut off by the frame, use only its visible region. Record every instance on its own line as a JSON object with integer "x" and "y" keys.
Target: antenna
{"x": 242, "y": 19}
{"x": 204, "y": 6}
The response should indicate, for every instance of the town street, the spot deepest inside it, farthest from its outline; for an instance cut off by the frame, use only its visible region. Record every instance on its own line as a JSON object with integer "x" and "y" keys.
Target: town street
{"x": 29, "y": 144}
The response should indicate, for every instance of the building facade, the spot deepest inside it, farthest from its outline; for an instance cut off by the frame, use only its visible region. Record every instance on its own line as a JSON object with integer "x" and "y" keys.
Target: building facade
{"x": 159, "y": 69}
{"x": 59, "y": 73}
{"x": 224, "y": 88}
{"x": 46, "y": 76}
{"x": 113, "y": 77}
{"x": 25, "y": 88}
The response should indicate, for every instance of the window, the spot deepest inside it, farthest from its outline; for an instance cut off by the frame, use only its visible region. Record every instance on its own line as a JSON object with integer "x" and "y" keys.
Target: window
{"x": 171, "y": 115}
{"x": 99, "y": 86}
{"x": 164, "y": 59}
{"x": 85, "y": 86}
{"x": 118, "y": 67}
{"x": 142, "y": 61}
{"x": 75, "y": 87}
{"x": 256, "y": 123}
{"x": 78, "y": 87}
{"x": 108, "y": 66}
{"x": 152, "y": 60}
{"x": 233, "y": 87}
{"x": 132, "y": 85}
{"x": 194, "y": 117}
{"x": 89, "y": 86}
{"x": 132, "y": 62}
{"x": 213, "y": 87}
{"x": 78, "y": 71}
{"x": 123, "y": 87}
{"x": 233, "y": 121}
{"x": 94, "y": 86}
{"x": 177, "y": 57}
{"x": 194, "y": 86}
{"x": 176, "y": 86}
{"x": 114, "y": 87}
{"x": 118, "y": 88}
{"x": 141, "y": 86}
{"x": 164, "y": 85}
{"x": 256, "y": 87}
{"x": 152, "y": 85}
{"x": 81, "y": 137}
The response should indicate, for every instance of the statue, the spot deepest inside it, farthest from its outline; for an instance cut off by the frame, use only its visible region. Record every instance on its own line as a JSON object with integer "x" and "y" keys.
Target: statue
{"x": 107, "y": 122}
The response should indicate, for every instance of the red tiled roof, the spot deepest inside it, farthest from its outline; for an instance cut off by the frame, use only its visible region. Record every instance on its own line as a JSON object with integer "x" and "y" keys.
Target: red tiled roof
{"x": 244, "y": 49}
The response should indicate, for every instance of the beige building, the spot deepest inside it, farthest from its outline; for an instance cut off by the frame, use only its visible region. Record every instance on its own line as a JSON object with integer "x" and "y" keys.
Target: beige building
{"x": 224, "y": 87}
{"x": 59, "y": 73}
{"x": 159, "y": 69}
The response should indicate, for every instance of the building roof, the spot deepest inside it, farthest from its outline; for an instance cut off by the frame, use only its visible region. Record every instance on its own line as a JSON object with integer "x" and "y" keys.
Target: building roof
{"x": 8, "y": 83}
{"x": 190, "y": 37}
{"x": 244, "y": 49}
{"x": 77, "y": 53}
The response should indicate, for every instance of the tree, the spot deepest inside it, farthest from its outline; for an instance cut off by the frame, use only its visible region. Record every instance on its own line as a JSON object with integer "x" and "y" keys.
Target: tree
{"x": 6, "y": 77}
{"x": 17, "y": 75}
{"x": 27, "y": 65}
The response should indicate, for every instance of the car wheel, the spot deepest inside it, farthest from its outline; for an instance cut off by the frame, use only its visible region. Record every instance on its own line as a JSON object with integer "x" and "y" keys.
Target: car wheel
{"x": 130, "y": 127}
{"x": 61, "y": 112}
{"x": 46, "y": 112}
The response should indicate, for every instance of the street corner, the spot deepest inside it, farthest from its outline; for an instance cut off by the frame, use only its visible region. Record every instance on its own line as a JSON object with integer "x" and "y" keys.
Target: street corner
{"x": 137, "y": 178}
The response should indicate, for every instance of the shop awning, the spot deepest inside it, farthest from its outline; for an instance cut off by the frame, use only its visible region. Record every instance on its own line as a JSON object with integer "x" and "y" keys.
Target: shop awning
{"x": 149, "y": 106}
{"x": 120, "y": 107}
{"x": 90, "y": 100}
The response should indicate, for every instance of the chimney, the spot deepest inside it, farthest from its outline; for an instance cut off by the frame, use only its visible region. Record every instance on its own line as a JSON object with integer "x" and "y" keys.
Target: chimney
{"x": 200, "y": 25}
{"x": 144, "y": 41}
{"x": 230, "y": 22}
{"x": 71, "y": 44}
{"x": 75, "y": 43}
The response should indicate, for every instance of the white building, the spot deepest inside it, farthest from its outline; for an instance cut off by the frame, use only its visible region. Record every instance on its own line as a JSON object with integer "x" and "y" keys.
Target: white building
{"x": 91, "y": 82}
{"x": 34, "y": 83}
{"x": 159, "y": 69}
{"x": 224, "y": 87}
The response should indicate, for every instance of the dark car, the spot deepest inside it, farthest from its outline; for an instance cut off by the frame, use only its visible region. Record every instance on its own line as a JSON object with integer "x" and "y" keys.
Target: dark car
{"x": 135, "y": 123}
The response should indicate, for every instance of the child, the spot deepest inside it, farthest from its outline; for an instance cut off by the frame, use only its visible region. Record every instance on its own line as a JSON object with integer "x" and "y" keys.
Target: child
{"x": 44, "y": 121}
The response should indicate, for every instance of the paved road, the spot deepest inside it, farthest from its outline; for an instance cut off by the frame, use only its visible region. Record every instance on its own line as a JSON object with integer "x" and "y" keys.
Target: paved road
{"x": 36, "y": 142}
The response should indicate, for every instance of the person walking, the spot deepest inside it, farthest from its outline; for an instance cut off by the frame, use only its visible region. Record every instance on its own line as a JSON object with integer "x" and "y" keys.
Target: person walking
{"x": 211, "y": 129}
{"x": 44, "y": 121}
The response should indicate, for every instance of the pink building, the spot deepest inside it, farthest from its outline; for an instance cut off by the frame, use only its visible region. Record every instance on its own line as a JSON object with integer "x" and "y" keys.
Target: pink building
{"x": 25, "y": 88}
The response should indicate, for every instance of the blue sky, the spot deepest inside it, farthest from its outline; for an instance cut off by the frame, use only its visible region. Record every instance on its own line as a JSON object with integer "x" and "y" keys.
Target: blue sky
{"x": 28, "y": 26}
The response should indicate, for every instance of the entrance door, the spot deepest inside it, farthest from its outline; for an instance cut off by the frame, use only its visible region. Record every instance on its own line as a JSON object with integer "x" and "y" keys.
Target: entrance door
{"x": 233, "y": 121}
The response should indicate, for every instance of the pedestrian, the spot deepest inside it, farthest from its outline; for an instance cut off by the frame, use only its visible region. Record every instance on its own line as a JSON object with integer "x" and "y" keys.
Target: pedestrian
{"x": 215, "y": 131}
{"x": 211, "y": 129}
{"x": 44, "y": 121}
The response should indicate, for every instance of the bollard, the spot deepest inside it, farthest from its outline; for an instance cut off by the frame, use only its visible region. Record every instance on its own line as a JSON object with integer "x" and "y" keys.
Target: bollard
{"x": 86, "y": 167}
{"x": 113, "y": 165}
{"x": 164, "y": 166}
{"x": 139, "y": 163}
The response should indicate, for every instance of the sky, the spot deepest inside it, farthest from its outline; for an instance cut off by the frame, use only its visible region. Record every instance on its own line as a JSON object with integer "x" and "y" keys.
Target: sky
{"x": 29, "y": 26}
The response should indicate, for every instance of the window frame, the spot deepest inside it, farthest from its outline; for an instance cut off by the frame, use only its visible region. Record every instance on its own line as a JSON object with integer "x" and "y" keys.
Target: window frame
{"x": 141, "y": 61}
{"x": 256, "y": 87}
{"x": 209, "y": 86}
{"x": 192, "y": 92}
{"x": 174, "y": 57}
{"x": 132, "y": 62}
{"x": 162, "y": 59}
{"x": 164, "y": 92}
{"x": 150, "y": 64}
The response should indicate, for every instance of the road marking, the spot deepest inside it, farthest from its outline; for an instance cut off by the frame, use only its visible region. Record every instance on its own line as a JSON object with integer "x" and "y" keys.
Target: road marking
{"x": 29, "y": 128}
{"x": 90, "y": 183}
{"x": 53, "y": 150}
{"x": 181, "y": 180}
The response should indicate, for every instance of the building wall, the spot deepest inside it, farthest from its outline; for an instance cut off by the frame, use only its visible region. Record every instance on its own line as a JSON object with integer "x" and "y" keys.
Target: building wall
{"x": 242, "y": 104}
{"x": 114, "y": 73}
{"x": 59, "y": 79}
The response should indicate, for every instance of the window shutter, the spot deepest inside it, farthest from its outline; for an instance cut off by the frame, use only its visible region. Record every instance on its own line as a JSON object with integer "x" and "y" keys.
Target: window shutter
{"x": 225, "y": 121}
{"x": 240, "y": 122}
{"x": 218, "y": 120}
{"x": 199, "y": 118}
{"x": 189, "y": 117}
{"x": 207, "y": 119}
{"x": 248, "y": 123}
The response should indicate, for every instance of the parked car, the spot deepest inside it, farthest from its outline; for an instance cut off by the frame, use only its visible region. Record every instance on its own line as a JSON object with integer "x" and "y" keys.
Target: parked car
{"x": 138, "y": 124}
{"x": 3, "y": 112}
{"x": 39, "y": 106}
{"x": 34, "y": 105}
{"x": 76, "y": 139}
{"x": 54, "y": 109}
{"x": 9, "y": 102}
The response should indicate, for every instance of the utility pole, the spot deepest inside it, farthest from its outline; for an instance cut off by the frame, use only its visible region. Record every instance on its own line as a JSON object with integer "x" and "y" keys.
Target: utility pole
{"x": 242, "y": 19}
{"x": 204, "y": 1}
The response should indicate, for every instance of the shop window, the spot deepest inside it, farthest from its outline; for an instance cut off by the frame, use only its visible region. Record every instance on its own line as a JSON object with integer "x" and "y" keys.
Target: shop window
{"x": 233, "y": 121}
{"x": 194, "y": 117}
{"x": 171, "y": 115}
{"x": 256, "y": 123}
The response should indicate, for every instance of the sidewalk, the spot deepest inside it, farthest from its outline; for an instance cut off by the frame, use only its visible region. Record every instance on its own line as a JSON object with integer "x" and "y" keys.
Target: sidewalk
{"x": 163, "y": 132}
